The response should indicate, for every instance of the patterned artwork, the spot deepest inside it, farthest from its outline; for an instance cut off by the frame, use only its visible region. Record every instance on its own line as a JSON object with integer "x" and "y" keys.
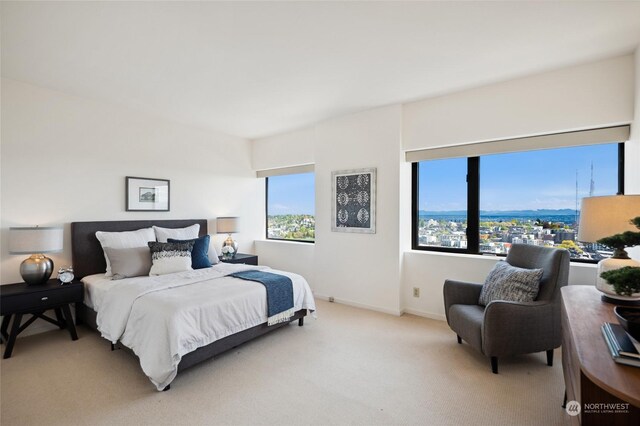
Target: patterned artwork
{"x": 354, "y": 201}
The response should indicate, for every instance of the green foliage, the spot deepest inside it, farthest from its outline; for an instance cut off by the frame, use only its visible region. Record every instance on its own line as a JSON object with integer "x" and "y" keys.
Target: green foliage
{"x": 292, "y": 227}
{"x": 569, "y": 245}
{"x": 625, "y": 281}
{"x": 615, "y": 241}
{"x": 625, "y": 239}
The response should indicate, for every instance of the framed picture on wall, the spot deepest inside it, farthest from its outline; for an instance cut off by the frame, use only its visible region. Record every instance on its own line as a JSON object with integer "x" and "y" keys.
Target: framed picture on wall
{"x": 353, "y": 201}
{"x": 147, "y": 194}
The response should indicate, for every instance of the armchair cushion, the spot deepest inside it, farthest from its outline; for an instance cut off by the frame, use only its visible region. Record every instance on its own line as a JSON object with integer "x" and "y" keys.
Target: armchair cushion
{"x": 506, "y": 282}
{"x": 466, "y": 321}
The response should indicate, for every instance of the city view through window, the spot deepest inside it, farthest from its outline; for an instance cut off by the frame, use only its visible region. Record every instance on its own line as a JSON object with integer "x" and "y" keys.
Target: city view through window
{"x": 291, "y": 207}
{"x": 527, "y": 197}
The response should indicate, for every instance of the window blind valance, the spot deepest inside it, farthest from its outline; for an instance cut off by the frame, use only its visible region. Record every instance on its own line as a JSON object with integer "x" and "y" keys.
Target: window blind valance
{"x": 557, "y": 140}
{"x": 305, "y": 168}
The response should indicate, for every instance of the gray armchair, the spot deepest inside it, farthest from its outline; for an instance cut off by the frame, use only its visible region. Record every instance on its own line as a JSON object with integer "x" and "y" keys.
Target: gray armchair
{"x": 509, "y": 328}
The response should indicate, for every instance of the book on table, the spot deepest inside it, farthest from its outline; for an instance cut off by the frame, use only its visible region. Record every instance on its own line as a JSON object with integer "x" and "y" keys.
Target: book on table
{"x": 622, "y": 346}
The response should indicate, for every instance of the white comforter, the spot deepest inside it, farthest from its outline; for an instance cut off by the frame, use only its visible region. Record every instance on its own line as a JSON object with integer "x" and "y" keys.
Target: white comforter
{"x": 162, "y": 318}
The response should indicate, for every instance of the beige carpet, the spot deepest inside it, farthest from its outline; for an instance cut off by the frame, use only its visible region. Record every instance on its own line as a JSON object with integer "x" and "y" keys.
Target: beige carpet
{"x": 350, "y": 366}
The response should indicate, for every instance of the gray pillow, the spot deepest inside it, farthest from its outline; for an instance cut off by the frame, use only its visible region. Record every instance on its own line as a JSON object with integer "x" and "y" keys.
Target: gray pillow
{"x": 506, "y": 282}
{"x": 129, "y": 262}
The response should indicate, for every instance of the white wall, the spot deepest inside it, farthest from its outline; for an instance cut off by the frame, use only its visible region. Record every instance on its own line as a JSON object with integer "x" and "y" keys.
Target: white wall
{"x": 65, "y": 159}
{"x": 386, "y": 269}
{"x": 428, "y": 271}
{"x": 632, "y": 150}
{"x": 343, "y": 261}
{"x": 289, "y": 256}
{"x": 289, "y": 149}
{"x": 592, "y": 95}
{"x": 360, "y": 269}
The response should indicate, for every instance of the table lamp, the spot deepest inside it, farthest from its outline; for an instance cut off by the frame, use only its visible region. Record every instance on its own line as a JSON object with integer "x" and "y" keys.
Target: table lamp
{"x": 35, "y": 241}
{"x": 228, "y": 225}
{"x": 602, "y": 217}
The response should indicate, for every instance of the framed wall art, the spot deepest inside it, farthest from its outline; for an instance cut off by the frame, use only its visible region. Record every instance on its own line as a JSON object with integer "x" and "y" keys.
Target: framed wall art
{"x": 354, "y": 201}
{"x": 147, "y": 194}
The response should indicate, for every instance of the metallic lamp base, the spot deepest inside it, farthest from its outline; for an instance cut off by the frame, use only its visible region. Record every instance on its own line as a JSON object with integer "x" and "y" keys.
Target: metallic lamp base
{"x": 37, "y": 269}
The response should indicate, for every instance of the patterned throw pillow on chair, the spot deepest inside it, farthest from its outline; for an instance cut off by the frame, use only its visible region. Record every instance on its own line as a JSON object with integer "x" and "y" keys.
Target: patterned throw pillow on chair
{"x": 167, "y": 258}
{"x": 506, "y": 282}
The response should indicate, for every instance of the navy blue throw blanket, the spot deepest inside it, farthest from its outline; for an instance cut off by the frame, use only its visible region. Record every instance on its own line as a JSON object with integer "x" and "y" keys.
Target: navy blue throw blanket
{"x": 279, "y": 294}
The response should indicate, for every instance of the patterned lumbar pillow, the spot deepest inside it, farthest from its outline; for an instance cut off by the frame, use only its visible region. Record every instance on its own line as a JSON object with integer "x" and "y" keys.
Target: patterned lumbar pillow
{"x": 506, "y": 282}
{"x": 167, "y": 258}
{"x": 200, "y": 252}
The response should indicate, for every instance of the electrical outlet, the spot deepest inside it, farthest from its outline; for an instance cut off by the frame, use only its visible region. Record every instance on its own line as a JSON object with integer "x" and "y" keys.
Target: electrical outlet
{"x": 416, "y": 292}
{"x": 331, "y": 299}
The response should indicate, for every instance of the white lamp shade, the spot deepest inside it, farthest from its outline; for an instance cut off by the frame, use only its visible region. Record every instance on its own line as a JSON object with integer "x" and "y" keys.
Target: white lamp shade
{"x": 35, "y": 240}
{"x": 227, "y": 225}
{"x": 606, "y": 216}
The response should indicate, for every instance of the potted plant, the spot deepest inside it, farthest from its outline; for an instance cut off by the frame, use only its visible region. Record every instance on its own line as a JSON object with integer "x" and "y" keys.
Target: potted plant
{"x": 624, "y": 281}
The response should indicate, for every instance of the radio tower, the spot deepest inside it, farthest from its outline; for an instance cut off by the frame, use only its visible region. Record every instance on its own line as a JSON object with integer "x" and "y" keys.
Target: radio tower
{"x": 592, "y": 184}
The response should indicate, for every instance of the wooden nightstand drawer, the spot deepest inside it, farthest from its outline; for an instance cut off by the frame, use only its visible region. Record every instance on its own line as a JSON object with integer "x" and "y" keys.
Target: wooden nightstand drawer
{"x": 41, "y": 299}
{"x": 21, "y": 298}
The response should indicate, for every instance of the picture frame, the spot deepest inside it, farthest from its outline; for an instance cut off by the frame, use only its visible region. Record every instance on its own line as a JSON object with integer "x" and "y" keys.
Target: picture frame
{"x": 147, "y": 194}
{"x": 353, "y": 201}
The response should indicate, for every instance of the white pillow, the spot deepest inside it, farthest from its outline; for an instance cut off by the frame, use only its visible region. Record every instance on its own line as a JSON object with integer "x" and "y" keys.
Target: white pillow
{"x": 188, "y": 233}
{"x": 212, "y": 253}
{"x": 125, "y": 239}
{"x": 167, "y": 258}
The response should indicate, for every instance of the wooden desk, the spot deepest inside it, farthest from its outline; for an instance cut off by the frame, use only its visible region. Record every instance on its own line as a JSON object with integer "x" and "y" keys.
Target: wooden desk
{"x": 590, "y": 374}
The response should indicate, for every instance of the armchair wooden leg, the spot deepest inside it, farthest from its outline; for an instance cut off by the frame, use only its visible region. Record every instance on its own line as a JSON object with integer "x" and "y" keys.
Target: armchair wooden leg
{"x": 550, "y": 357}
{"x": 494, "y": 364}
{"x": 459, "y": 339}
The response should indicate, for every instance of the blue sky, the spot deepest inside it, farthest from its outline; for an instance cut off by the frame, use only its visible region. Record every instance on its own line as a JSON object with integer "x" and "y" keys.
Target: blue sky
{"x": 543, "y": 179}
{"x": 292, "y": 194}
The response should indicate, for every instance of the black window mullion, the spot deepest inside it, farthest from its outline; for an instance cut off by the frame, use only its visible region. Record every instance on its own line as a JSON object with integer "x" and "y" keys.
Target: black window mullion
{"x": 266, "y": 207}
{"x": 415, "y": 210}
{"x": 473, "y": 205}
{"x": 621, "y": 168}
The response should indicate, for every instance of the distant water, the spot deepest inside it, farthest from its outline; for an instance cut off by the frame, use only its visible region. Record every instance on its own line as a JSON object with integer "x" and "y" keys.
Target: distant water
{"x": 567, "y": 219}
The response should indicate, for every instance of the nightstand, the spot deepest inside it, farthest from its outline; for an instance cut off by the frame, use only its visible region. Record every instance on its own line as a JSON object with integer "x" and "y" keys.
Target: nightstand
{"x": 19, "y": 299}
{"x": 249, "y": 259}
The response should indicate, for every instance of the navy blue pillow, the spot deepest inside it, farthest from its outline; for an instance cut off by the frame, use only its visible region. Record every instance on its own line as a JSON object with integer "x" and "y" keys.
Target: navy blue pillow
{"x": 200, "y": 252}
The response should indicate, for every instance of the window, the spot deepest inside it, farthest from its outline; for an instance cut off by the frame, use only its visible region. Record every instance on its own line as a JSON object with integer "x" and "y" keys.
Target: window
{"x": 291, "y": 207}
{"x": 484, "y": 204}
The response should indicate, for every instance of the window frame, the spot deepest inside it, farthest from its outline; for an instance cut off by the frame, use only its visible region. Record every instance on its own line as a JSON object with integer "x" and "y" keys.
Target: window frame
{"x": 266, "y": 216}
{"x": 473, "y": 208}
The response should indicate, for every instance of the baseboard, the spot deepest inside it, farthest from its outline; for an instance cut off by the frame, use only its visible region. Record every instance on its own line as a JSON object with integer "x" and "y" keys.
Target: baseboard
{"x": 424, "y": 314}
{"x": 359, "y": 305}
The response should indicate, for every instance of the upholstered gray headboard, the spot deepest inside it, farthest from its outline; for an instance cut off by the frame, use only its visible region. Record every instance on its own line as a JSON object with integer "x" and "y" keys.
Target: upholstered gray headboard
{"x": 86, "y": 252}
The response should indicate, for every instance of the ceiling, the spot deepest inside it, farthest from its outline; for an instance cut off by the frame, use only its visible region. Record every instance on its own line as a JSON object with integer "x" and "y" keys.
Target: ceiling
{"x": 254, "y": 69}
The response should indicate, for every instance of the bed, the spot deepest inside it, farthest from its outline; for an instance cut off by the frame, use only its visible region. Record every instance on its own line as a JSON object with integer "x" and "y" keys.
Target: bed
{"x": 205, "y": 297}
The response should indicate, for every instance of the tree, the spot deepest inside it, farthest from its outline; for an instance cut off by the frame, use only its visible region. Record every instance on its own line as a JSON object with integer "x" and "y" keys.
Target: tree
{"x": 625, "y": 239}
{"x": 570, "y": 245}
{"x": 625, "y": 281}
